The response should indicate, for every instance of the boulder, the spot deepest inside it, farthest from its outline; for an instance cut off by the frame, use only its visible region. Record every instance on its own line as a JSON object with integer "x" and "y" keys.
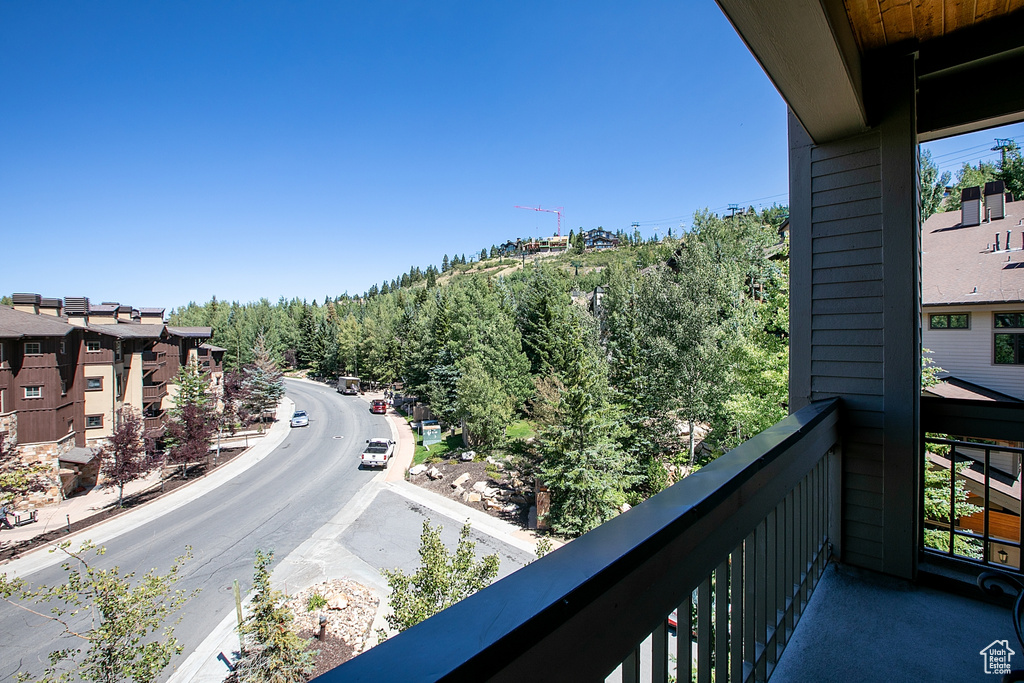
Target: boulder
{"x": 458, "y": 490}
{"x": 435, "y": 473}
{"x": 337, "y": 601}
{"x": 417, "y": 469}
{"x": 517, "y": 499}
{"x": 490, "y": 492}
{"x": 461, "y": 479}
{"x": 467, "y": 456}
{"x": 625, "y": 507}
{"x": 480, "y": 486}
{"x": 473, "y": 497}
{"x": 492, "y": 504}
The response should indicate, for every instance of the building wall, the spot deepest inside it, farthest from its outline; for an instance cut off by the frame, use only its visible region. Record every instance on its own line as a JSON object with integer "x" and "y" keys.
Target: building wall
{"x": 102, "y": 402}
{"x": 132, "y": 374}
{"x": 969, "y": 354}
{"x": 855, "y": 319}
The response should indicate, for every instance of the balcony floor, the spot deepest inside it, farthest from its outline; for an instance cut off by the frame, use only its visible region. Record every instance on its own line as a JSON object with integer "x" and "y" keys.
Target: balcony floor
{"x": 862, "y": 626}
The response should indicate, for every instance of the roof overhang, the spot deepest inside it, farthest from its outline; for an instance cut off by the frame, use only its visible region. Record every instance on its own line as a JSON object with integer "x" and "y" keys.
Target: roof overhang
{"x": 808, "y": 51}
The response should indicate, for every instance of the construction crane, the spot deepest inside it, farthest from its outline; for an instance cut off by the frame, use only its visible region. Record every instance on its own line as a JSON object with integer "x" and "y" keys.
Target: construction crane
{"x": 557, "y": 210}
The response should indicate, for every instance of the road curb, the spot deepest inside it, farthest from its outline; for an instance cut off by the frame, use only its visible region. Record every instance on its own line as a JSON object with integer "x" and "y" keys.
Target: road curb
{"x": 41, "y": 557}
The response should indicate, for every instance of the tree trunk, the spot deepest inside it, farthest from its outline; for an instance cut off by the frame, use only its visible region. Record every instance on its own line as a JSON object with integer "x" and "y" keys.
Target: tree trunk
{"x": 690, "y": 422}
{"x": 120, "y": 495}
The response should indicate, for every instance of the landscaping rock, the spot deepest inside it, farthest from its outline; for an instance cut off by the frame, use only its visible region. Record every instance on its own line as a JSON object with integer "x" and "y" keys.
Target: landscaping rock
{"x": 625, "y": 507}
{"x": 467, "y": 456}
{"x": 480, "y": 486}
{"x": 434, "y": 473}
{"x": 490, "y": 492}
{"x": 473, "y": 497}
{"x": 337, "y": 601}
{"x": 461, "y": 479}
{"x": 458, "y": 489}
{"x": 492, "y": 504}
{"x": 517, "y": 499}
{"x": 417, "y": 469}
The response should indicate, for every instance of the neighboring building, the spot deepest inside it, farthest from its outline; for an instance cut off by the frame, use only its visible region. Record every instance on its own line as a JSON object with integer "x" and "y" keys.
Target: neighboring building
{"x": 973, "y": 290}
{"x": 66, "y": 368}
{"x": 599, "y": 239}
{"x": 548, "y": 244}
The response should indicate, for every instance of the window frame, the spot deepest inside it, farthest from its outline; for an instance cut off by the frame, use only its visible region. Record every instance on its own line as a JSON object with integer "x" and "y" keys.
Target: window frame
{"x": 37, "y": 345}
{"x": 94, "y": 417}
{"x": 97, "y": 342}
{"x": 949, "y": 321}
{"x": 38, "y": 388}
{"x": 1019, "y": 323}
{"x": 90, "y": 379}
{"x": 1017, "y": 347}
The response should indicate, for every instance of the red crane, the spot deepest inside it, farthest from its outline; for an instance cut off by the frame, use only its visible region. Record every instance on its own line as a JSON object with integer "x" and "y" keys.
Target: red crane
{"x": 557, "y": 210}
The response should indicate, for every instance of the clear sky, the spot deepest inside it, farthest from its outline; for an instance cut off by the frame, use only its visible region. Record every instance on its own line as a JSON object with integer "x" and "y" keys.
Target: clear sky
{"x": 157, "y": 153}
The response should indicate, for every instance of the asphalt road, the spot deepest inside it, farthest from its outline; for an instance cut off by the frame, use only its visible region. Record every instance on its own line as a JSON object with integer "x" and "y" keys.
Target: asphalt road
{"x": 274, "y": 505}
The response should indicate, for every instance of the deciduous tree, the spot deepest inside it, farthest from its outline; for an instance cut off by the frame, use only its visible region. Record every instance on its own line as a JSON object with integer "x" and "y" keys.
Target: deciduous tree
{"x": 126, "y": 638}
{"x": 124, "y": 459}
{"x": 441, "y": 580}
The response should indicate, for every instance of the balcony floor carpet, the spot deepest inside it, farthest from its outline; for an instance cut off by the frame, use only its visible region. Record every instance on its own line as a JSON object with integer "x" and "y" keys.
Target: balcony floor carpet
{"x": 862, "y": 626}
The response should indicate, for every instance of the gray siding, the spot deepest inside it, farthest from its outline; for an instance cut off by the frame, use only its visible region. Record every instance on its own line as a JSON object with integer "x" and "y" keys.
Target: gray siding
{"x": 855, "y": 302}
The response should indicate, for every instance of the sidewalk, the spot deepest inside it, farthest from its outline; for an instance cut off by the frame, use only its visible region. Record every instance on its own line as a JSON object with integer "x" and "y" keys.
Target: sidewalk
{"x": 322, "y": 557}
{"x": 40, "y": 557}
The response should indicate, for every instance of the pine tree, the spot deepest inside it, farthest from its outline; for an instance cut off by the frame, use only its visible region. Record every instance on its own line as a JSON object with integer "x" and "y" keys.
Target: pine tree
{"x": 271, "y": 652}
{"x": 580, "y": 461}
{"x": 445, "y": 265}
{"x": 263, "y": 382}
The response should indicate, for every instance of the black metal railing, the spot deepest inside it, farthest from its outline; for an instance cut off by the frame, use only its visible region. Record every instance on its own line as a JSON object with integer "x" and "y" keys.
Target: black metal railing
{"x": 971, "y": 503}
{"x": 748, "y": 534}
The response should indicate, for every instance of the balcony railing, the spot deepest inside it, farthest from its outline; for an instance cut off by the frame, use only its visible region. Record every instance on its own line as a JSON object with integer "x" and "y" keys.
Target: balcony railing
{"x": 740, "y": 543}
{"x": 153, "y": 425}
{"x": 153, "y": 359}
{"x": 972, "y": 474}
{"x": 154, "y": 392}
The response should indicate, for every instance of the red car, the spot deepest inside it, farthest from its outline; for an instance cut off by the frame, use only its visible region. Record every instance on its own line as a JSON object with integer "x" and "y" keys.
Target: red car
{"x": 378, "y": 406}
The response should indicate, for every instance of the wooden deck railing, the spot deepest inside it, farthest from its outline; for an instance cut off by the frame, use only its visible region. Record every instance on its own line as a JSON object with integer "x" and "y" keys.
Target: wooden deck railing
{"x": 741, "y": 542}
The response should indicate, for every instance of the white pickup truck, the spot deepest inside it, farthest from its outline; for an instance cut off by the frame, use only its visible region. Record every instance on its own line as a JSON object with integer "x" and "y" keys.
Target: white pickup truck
{"x": 377, "y": 453}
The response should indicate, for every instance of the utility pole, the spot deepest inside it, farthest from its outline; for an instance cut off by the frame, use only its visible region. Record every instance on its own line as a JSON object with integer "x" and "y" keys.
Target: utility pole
{"x": 1002, "y": 145}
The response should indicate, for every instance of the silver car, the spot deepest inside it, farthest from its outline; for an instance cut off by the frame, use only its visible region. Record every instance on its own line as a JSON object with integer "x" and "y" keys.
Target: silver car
{"x": 300, "y": 419}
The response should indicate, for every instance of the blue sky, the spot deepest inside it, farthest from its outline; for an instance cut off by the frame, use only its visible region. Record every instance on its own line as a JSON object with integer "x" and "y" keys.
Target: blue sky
{"x": 157, "y": 153}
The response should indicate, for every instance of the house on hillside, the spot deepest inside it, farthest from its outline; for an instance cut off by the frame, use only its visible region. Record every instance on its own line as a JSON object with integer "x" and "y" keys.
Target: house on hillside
{"x": 599, "y": 239}
{"x": 972, "y": 290}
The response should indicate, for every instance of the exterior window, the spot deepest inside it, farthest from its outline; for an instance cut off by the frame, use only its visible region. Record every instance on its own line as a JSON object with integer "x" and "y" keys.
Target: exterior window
{"x": 1009, "y": 349}
{"x": 33, "y": 392}
{"x": 117, "y": 351}
{"x": 63, "y": 387}
{"x": 3, "y": 353}
{"x": 1009, "y": 320}
{"x": 1009, "y": 346}
{"x": 93, "y": 421}
{"x": 951, "y": 321}
{"x": 63, "y": 347}
{"x": 92, "y": 346}
{"x": 33, "y": 348}
{"x": 93, "y": 383}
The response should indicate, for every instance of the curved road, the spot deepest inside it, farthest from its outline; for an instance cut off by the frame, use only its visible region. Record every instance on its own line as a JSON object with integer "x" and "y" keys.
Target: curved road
{"x": 274, "y": 505}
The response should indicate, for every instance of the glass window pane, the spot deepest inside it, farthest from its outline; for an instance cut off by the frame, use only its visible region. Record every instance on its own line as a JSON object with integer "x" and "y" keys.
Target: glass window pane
{"x": 1004, "y": 349}
{"x": 940, "y": 322}
{"x": 958, "y": 321}
{"x": 1006, "y": 320}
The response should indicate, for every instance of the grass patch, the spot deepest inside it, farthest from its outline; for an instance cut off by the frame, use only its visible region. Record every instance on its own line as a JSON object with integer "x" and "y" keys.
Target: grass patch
{"x": 438, "y": 450}
{"x": 521, "y": 429}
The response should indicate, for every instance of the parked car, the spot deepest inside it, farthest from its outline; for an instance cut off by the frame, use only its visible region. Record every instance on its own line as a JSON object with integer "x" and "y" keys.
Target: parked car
{"x": 377, "y": 453}
{"x": 300, "y": 419}
{"x": 378, "y": 406}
